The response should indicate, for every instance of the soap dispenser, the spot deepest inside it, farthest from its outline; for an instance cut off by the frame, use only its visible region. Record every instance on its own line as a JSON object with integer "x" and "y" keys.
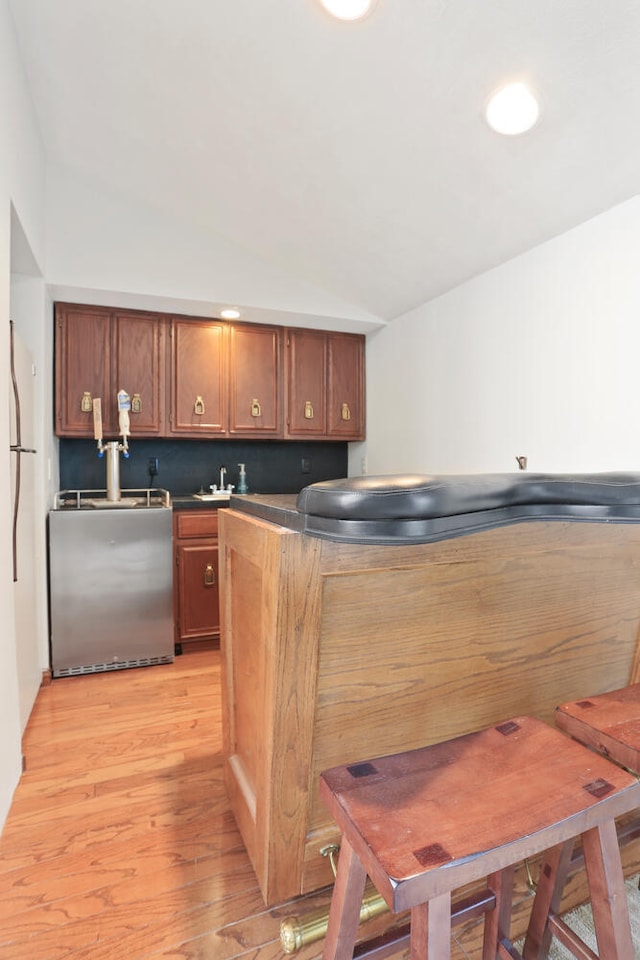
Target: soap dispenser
{"x": 242, "y": 480}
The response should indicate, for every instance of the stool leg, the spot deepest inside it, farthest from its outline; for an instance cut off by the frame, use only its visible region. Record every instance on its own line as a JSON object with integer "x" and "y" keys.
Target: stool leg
{"x": 553, "y": 875}
{"x": 431, "y": 929}
{"x": 606, "y": 889}
{"x": 344, "y": 913}
{"x": 497, "y": 922}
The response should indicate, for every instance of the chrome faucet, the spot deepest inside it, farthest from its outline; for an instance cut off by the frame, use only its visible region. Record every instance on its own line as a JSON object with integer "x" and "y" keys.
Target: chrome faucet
{"x": 214, "y": 486}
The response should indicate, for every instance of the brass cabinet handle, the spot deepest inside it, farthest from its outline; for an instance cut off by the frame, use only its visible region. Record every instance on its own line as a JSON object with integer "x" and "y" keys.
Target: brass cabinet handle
{"x": 136, "y": 403}
{"x": 345, "y": 412}
{"x": 86, "y": 404}
{"x": 198, "y": 406}
{"x": 255, "y": 408}
{"x": 308, "y": 410}
{"x": 209, "y": 575}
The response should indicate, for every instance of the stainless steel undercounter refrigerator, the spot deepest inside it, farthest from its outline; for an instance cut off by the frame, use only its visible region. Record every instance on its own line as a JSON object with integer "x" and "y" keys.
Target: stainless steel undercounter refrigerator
{"x": 111, "y": 581}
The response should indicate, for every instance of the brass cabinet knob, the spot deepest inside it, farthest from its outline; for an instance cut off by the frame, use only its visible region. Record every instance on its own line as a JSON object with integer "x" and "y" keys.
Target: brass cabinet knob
{"x": 308, "y": 410}
{"x": 136, "y": 403}
{"x": 256, "y": 410}
{"x": 345, "y": 412}
{"x": 86, "y": 404}
{"x": 198, "y": 406}
{"x": 209, "y": 575}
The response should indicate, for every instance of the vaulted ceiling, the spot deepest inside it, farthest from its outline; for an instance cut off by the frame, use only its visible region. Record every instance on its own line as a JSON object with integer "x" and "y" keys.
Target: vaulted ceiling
{"x": 353, "y": 156}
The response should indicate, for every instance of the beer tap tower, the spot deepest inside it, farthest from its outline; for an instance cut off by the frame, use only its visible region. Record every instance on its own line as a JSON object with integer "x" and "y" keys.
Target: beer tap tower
{"x": 113, "y": 447}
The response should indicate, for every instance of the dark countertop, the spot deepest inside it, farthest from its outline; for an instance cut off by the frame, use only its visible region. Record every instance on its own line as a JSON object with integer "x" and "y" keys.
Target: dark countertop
{"x": 277, "y": 508}
{"x": 190, "y": 503}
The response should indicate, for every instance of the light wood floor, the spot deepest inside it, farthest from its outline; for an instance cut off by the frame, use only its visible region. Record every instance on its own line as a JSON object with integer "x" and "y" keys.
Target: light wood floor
{"x": 120, "y": 844}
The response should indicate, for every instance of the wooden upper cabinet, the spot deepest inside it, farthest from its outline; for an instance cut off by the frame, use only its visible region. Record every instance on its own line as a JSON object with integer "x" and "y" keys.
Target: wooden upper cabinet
{"x": 198, "y": 378}
{"x": 345, "y": 386}
{"x": 139, "y": 368}
{"x": 325, "y": 385}
{"x": 306, "y": 383}
{"x": 255, "y": 381}
{"x": 193, "y": 377}
{"x": 100, "y": 351}
{"x": 82, "y": 366}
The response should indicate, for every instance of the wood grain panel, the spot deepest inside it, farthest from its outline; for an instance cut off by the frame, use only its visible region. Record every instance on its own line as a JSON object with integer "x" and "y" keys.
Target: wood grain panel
{"x": 82, "y": 365}
{"x": 346, "y": 386}
{"x": 255, "y": 381}
{"x": 197, "y": 572}
{"x": 266, "y": 688}
{"x": 198, "y": 370}
{"x": 408, "y": 645}
{"x": 306, "y": 383}
{"x": 241, "y": 617}
{"x": 196, "y": 523}
{"x": 196, "y": 580}
{"x": 138, "y": 366}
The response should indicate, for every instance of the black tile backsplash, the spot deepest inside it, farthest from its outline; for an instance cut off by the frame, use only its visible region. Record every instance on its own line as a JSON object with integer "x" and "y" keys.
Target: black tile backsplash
{"x": 184, "y": 466}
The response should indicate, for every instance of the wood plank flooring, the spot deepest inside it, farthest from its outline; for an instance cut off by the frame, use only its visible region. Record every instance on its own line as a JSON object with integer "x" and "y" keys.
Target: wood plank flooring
{"x": 120, "y": 844}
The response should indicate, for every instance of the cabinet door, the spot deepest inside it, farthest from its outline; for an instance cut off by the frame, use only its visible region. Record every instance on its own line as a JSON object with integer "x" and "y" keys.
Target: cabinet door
{"x": 198, "y": 373}
{"x": 139, "y": 368}
{"x": 306, "y": 383}
{"x": 82, "y": 362}
{"x": 346, "y": 395}
{"x": 255, "y": 381}
{"x": 199, "y": 608}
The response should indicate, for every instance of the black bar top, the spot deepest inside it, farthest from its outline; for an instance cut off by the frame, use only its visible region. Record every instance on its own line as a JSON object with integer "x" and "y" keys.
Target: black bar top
{"x": 405, "y": 509}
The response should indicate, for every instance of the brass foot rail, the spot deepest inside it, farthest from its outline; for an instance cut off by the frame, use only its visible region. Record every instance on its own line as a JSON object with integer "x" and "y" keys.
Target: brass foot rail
{"x": 297, "y": 932}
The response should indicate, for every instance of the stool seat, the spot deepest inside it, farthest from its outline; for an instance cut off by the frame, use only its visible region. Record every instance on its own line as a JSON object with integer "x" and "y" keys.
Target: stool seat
{"x": 426, "y": 822}
{"x": 609, "y": 722}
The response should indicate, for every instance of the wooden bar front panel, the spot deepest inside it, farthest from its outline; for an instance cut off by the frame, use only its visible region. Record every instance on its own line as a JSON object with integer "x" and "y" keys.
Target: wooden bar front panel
{"x": 360, "y": 650}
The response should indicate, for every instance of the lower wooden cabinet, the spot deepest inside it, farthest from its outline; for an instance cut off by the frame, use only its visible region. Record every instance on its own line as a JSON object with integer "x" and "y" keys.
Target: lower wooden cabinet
{"x": 196, "y": 604}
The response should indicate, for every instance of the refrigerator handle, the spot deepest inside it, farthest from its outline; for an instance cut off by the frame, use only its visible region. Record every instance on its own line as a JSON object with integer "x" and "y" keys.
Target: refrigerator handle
{"x": 18, "y": 449}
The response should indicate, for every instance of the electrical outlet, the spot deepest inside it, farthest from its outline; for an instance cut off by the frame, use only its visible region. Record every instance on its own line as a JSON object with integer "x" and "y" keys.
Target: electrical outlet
{"x": 305, "y": 465}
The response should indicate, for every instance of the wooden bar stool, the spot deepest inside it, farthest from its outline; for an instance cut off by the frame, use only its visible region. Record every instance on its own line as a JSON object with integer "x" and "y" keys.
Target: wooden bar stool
{"x": 609, "y": 723}
{"x": 426, "y": 822}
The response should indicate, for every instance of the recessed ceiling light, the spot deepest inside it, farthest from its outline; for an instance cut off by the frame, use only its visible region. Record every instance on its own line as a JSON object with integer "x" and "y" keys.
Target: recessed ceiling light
{"x": 229, "y": 314}
{"x": 512, "y": 110}
{"x": 348, "y": 9}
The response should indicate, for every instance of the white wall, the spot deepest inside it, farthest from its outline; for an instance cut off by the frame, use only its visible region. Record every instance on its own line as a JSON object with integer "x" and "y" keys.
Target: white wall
{"x": 108, "y": 248}
{"x": 21, "y": 184}
{"x": 538, "y": 357}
